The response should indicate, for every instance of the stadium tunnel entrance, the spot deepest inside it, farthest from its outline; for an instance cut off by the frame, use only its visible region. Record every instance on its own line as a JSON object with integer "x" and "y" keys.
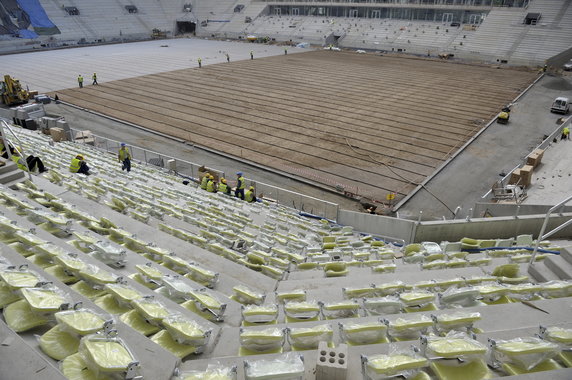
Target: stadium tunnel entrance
{"x": 186, "y": 27}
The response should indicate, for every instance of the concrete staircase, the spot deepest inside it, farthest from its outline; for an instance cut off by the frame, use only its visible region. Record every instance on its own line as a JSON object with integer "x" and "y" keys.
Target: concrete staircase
{"x": 555, "y": 267}
{"x": 10, "y": 175}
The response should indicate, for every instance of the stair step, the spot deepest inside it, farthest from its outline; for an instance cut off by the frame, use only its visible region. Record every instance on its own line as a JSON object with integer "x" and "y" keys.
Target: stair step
{"x": 566, "y": 254}
{"x": 11, "y": 176}
{"x": 561, "y": 267}
{"x": 541, "y": 273}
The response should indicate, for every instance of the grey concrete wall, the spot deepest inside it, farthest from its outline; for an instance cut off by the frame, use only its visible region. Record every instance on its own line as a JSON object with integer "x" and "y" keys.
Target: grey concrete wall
{"x": 377, "y": 225}
{"x": 556, "y": 62}
{"x": 490, "y": 228}
{"x": 500, "y": 209}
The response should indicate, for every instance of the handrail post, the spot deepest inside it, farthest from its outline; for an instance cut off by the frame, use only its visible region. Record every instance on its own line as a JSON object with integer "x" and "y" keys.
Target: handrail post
{"x": 541, "y": 235}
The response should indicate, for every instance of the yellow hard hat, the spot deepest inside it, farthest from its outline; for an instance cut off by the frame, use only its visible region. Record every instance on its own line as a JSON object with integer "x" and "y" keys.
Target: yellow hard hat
{"x": 223, "y": 180}
{"x": 251, "y": 187}
{"x": 79, "y": 157}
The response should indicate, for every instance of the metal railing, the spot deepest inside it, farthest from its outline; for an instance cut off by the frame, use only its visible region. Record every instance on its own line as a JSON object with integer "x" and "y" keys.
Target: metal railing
{"x": 542, "y": 235}
{"x": 184, "y": 168}
{"x": 17, "y": 148}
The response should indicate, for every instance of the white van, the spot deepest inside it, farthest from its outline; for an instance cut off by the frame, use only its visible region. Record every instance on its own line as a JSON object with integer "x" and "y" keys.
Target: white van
{"x": 560, "y": 105}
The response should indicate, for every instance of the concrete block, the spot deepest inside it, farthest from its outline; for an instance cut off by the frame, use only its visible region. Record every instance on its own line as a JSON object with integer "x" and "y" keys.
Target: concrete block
{"x": 514, "y": 177}
{"x": 332, "y": 363}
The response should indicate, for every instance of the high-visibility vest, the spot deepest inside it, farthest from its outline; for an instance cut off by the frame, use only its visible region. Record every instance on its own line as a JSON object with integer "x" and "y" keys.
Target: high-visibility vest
{"x": 17, "y": 159}
{"x": 124, "y": 153}
{"x": 94, "y": 77}
{"x": 75, "y": 165}
{"x": 223, "y": 188}
{"x": 566, "y": 131}
{"x": 80, "y": 79}
{"x": 249, "y": 196}
{"x": 241, "y": 184}
{"x": 211, "y": 186}
{"x": 204, "y": 182}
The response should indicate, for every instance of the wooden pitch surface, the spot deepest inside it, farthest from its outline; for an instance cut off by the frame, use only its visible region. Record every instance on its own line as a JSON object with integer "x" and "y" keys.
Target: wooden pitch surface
{"x": 373, "y": 124}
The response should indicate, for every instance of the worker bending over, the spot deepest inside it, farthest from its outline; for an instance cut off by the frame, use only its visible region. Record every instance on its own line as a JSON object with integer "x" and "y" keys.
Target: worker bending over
{"x": 250, "y": 196}
{"x": 565, "y": 134}
{"x": 78, "y": 165}
{"x": 124, "y": 156}
{"x": 32, "y": 162}
{"x": 240, "y": 186}
{"x": 223, "y": 187}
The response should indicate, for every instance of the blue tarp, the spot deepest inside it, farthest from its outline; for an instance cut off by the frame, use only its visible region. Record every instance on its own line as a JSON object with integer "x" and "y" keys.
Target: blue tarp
{"x": 38, "y": 16}
{"x": 25, "y": 33}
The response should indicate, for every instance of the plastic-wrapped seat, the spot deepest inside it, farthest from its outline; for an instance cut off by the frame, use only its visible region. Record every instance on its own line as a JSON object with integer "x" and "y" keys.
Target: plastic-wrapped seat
{"x": 153, "y": 311}
{"x": 341, "y": 309}
{"x": 456, "y": 356}
{"x": 108, "y": 303}
{"x": 412, "y": 328}
{"x": 395, "y": 364}
{"x": 355, "y": 334}
{"x": 254, "y": 342}
{"x": 301, "y": 311}
{"x": 524, "y": 355}
{"x": 247, "y": 296}
{"x": 106, "y": 355}
{"x": 138, "y": 323}
{"x": 255, "y": 314}
{"x": 336, "y": 269}
{"x": 308, "y": 338}
{"x": 74, "y": 368}
{"x": 58, "y": 344}
{"x": 19, "y": 317}
{"x": 288, "y": 366}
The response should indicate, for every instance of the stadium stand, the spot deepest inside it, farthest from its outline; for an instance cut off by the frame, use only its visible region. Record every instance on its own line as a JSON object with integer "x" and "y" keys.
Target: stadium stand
{"x": 206, "y": 276}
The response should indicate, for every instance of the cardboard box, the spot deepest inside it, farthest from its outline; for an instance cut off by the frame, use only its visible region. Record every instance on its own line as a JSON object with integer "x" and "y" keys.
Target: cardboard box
{"x": 85, "y": 137}
{"x": 514, "y": 177}
{"x": 526, "y": 175}
{"x": 534, "y": 159}
{"x": 57, "y": 134}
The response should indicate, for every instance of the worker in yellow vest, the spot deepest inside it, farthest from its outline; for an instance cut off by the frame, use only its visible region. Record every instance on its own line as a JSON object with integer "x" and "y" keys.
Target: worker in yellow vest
{"x": 124, "y": 156}
{"x": 250, "y": 196}
{"x": 80, "y": 81}
{"x": 94, "y": 77}
{"x": 31, "y": 162}
{"x": 240, "y": 186}
{"x": 211, "y": 185}
{"x": 204, "y": 181}
{"x": 78, "y": 165}
{"x": 565, "y": 134}
{"x": 223, "y": 187}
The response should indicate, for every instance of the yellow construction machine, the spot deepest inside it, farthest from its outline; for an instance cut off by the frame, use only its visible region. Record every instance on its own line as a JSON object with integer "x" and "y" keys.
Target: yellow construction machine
{"x": 12, "y": 91}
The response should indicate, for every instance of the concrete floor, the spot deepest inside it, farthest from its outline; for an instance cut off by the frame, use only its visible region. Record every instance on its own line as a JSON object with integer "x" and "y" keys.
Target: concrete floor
{"x": 58, "y": 69}
{"x": 498, "y": 150}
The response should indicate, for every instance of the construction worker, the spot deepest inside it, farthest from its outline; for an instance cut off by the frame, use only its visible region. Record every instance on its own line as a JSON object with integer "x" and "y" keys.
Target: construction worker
{"x": 211, "y": 185}
{"x": 78, "y": 165}
{"x": 223, "y": 187}
{"x": 80, "y": 81}
{"x": 199, "y": 61}
{"x": 285, "y": 51}
{"x": 3, "y": 151}
{"x": 32, "y": 162}
{"x": 250, "y": 196}
{"x": 240, "y": 186}
{"x": 124, "y": 156}
{"x": 227, "y": 57}
{"x": 565, "y": 134}
{"x": 204, "y": 181}
{"x": 251, "y": 54}
{"x": 94, "y": 77}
